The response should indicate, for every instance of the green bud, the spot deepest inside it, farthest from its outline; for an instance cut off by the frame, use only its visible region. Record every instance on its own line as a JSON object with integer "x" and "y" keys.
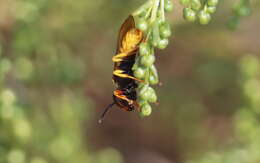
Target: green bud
{"x": 160, "y": 21}
{"x": 195, "y": 4}
{"x": 185, "y": 2}
{"x": 211, "y": 9}
{"x": 147, "y": 94}
{"x": 147, "y": 60}
{"x": 163, "y": 43}
{"x": 143, "y": 88}
{"x": 153, "y": 98}
{"x": 144, "y": 49}
{"x": 146, "y": 110}
{"x": 141, "y": 101}
{"x": 165, "y": 30}
{"x": 153, "y": 80}
{"x": 204, "y": 17}
{"x": 142, "y": 25}
{"x": 212, "y": 2}
{"x": 152, "y": 95}
{"x": 153, "y": 71}
{"x": 144, "y": 93}
{"x": 189, "y": 14}
{"x": 139, "y": 73}
{"x": 168, "y": 6}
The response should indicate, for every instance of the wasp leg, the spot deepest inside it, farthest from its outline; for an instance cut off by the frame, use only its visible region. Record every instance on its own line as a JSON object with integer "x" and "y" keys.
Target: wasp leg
{"x": 119, "y": 94}
{"x": 121, "y": 74}
{"x": 119, "y": 57}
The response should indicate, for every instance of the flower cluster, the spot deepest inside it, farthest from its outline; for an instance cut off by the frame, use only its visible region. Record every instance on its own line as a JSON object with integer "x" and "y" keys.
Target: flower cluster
{"x": 151, "y": 20}
{"x": 199, "y": 9}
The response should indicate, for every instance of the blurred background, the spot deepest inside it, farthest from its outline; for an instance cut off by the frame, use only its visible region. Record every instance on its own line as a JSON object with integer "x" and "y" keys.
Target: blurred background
{"x": 55, "y": 81}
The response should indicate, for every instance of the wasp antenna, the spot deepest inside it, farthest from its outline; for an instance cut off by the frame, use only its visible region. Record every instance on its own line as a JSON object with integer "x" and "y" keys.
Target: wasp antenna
{"x": 105, "y": 111}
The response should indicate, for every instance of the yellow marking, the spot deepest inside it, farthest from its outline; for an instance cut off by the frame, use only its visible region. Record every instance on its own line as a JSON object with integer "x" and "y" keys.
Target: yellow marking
{"x": 129, "y": 44}
{"x": 119, "y": 57}
{"x": 130, "y": 41}
{"x": 119, "y": 95}
{"x": 121, "y": 74}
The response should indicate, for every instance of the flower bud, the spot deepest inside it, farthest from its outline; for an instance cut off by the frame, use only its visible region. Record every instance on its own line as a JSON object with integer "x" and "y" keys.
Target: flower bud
{"x": 204, "y": 17}
{"x": 142, "y": 25}
{"x": 144, "y": 49}
{"x": 189, "y": 14}
{"x": 212, "y": 2}
{"x": 146, "y": 109}
{"x": 153, "y": 71}
{"x": 153, "y": 80}
{"x": 139, "y": 73}
{"x": 144, "y": 93}
{"x": 165, "y": 30}
{"x": 195, "y": 4}
{"x": 211, "y": 9}
{"x": 152, "y": 95}
{"x": 162, "y": 44}
{"x": 168, "y": 6}
{"x": 147, "y": 60}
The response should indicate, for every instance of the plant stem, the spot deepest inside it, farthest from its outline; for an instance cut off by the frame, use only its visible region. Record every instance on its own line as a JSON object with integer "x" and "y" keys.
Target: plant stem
{"x": 162, "y": 10}
{"x": 145, "y": 6}
{"x": 154, "y": 11}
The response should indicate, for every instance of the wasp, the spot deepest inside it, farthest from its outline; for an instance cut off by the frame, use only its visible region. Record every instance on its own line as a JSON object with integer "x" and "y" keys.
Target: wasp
{"x": 125, "y": 95}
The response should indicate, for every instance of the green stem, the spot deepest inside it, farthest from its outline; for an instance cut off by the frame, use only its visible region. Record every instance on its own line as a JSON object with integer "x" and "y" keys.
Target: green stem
{"x": 147, "y": 74}
{"x": 145, "y": 6}
{"x": 148, "y": 12}
{"x": 154, "y": 11}
{"x": 162, "y": 10}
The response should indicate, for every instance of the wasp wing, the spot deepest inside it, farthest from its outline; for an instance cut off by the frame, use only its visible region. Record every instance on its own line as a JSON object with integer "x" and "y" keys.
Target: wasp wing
{"x": 126, "y": 26}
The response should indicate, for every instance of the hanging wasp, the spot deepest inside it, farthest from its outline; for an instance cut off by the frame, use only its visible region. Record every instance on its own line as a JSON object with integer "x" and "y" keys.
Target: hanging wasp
{"x": 127, "y": 48}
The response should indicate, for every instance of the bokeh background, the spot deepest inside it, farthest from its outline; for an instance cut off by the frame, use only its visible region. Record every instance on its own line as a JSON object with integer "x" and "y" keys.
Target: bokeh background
{"x": 55, "y": 80}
